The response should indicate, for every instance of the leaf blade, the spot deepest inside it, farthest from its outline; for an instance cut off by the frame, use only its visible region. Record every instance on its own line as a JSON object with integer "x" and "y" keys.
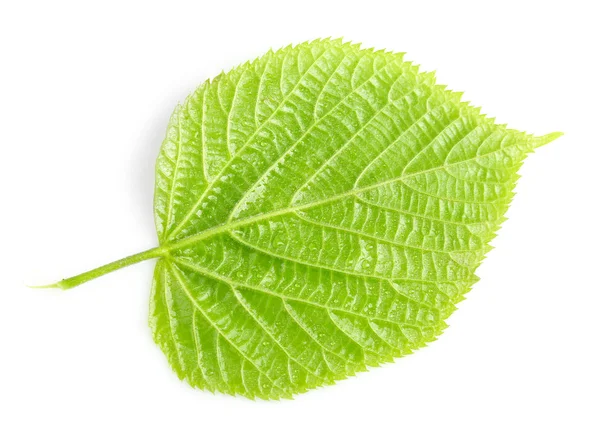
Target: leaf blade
{"x": 332, "y": 211}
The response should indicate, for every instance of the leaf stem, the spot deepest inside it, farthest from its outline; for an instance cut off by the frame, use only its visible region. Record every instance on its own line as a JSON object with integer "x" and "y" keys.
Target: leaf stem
{"x": 74, "y": 281}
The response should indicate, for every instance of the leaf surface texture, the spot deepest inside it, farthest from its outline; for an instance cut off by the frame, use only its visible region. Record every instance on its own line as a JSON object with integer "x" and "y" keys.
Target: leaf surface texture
{"x": 323, "y": 209}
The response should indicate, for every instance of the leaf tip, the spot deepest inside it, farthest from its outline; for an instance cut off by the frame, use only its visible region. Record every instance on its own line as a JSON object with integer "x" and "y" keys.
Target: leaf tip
{"x": 545, "y": 139}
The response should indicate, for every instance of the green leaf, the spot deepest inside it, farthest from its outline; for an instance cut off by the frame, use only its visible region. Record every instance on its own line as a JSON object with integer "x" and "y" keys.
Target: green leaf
{"x": 319, "y": 210}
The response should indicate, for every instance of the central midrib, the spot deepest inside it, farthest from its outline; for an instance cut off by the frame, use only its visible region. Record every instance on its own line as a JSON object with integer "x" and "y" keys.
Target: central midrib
{"x": 228, "y": 226}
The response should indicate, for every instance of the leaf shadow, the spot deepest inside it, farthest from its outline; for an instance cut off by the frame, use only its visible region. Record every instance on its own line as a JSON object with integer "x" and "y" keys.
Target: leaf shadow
{"x": 143, "y": 160}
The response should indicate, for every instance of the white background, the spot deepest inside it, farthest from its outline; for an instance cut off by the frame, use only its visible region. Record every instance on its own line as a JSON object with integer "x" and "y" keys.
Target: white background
{"x": 85, "y": 94}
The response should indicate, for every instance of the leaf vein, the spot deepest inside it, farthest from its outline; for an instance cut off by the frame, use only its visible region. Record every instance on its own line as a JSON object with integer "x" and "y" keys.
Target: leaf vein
{"x": 219, "y": 331}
